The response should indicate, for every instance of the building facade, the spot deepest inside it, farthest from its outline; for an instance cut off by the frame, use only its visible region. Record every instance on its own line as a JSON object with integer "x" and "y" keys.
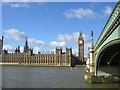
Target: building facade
{"x": 58, "y": 58}
{"x": 28, "y": 58}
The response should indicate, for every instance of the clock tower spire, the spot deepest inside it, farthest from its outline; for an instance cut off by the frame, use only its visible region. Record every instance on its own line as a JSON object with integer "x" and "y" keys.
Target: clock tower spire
{"x": 80, "y": 47}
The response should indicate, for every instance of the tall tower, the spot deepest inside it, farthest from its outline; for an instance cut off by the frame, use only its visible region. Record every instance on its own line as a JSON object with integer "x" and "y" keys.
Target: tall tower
{"x": 1, "y": 45}
{"x": 81, "y": 47}
{"x": 26, "y": 46}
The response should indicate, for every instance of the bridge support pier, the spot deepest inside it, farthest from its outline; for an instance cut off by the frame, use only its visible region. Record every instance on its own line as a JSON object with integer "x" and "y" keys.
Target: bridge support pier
{"x": 90, "y": 65}
{"x": 90, "y": 72}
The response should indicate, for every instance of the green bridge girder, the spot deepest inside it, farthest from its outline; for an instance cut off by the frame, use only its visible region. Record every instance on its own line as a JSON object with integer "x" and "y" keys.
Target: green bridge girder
{"x": 110, "y": 36}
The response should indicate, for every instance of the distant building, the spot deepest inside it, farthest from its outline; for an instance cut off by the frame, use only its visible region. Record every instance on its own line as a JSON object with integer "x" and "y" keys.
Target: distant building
{"x": 58, "y": 58}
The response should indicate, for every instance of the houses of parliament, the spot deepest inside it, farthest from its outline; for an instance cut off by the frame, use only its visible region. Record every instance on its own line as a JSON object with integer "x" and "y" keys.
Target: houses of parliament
{"x": 59, "y": 58}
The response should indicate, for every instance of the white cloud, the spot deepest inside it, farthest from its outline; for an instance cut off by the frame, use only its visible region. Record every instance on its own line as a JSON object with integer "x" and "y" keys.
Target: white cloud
{"x": 72, "y": 37}
{"x": 36, "y": 50}
{"x": 65, "y": 37}
{"x": 68, "y": 37}
{"x": 58, "y": 44}
{"x": 10, "y": 48}
{"x": 75, "y": 51}
{"x": 81, "y": 14}
{"x": 52, "y": 51}
{"x": 20, "y": 36}
{"x": 34, "y": 41}
{"x": 17, "y": 4}
{"x": 24, "y": 0}
{"x": 107, "y": 10}
{"x": 21, "y": 49}
{"x": 14, "y": 34}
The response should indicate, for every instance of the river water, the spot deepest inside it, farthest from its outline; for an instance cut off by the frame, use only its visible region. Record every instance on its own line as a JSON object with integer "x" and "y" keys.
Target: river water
{"x": 47, "y": 77}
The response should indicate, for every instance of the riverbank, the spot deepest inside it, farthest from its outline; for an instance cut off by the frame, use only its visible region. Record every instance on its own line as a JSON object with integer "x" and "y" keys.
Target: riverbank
{"x": 102, "y": 79}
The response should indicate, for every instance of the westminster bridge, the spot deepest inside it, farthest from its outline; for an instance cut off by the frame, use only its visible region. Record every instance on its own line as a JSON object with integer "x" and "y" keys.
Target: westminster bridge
{"x": 107, "y": 47}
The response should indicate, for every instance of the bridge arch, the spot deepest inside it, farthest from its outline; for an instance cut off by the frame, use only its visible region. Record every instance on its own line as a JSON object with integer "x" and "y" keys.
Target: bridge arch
{"x": 108, "y": 59}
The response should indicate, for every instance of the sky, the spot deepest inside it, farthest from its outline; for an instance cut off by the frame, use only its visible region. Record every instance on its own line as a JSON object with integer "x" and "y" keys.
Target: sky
{"x": 48, "y": 25}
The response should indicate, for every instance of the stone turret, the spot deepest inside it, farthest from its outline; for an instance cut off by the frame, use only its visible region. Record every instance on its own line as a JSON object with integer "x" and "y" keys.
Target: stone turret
{"x": 4, "y": 52}
{"x": 58, "y": 51}
{"x": 68, "y": 55}
{"x": 68, "y": 51}
{"x": 26, "y": 46}
{"x": 30, "y": 52}
{"x": 17, "y": 50}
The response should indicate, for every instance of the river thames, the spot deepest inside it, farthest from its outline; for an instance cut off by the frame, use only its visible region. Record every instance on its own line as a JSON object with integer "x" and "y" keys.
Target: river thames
{"x": 47, "y": 77}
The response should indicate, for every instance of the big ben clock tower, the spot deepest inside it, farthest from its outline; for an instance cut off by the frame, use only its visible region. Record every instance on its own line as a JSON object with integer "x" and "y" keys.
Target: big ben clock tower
{"x": 81, "y": 47}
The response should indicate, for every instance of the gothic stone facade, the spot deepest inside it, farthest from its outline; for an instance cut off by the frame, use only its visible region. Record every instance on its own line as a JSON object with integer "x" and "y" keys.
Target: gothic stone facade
{"x": 28, "y": 58}
{"x": 58, "y": 58}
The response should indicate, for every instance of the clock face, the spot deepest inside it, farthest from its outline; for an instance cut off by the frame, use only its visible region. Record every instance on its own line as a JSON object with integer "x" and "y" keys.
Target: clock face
{"x": 80, "y": 41}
